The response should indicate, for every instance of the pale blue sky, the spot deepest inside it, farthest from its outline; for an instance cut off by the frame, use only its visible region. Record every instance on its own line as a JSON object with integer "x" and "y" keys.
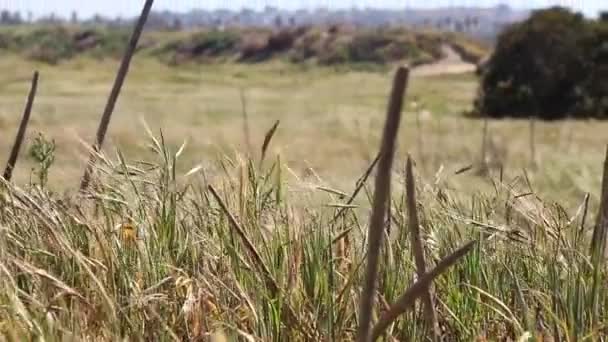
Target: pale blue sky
{"x": 86, "y": 8}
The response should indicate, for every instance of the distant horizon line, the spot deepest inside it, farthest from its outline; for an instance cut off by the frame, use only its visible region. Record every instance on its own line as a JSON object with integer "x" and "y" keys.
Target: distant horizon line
{"x": 67, "y": 15}
{"x": 341, "y": 8}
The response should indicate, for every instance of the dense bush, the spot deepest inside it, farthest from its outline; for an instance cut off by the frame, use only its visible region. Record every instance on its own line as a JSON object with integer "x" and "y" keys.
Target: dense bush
{"x": 55, "y": 43}
{"x": 369, "y": 47}
{"x": 112, "y": 43}
{"x": 551, "y": 66}
{"x": 208, "y": 43}
{"x": 266, "y": 45}
{"x": 49, "y": 45}
{"x": 379, "y": 46}
{"x": 338, "y": 45}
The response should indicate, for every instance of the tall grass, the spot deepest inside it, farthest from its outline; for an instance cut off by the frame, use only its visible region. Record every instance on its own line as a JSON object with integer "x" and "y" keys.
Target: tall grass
{"x": 145, "y": 253}
{"x": 154, "y": 255}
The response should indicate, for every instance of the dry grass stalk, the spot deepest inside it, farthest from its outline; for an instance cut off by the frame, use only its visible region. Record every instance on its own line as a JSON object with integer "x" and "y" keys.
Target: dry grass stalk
{"x": 381, "y": 195}
{"x": 115, "y": 92}
{"x": 295, "y": 260}
{"x": 533, "y": 143}
{"x": 463, "y": 170}
{"x": 360, "y": 184}
{"x": 419, "y": 134}
{"x": 585, "y": 212}
{"x": 389, "y": 216}
{"x": 600, "y": 233}
{"x": 267, "y": 139}
{"x": 418, "y": 289}
{"x": 343, "y": 253}
{"x": 271, "y": 282}
{"x": 418, "y": 250}
{"x": 246, "y": 129}
{"x": 12, "y": 159}
{"x": 483, "y": 167}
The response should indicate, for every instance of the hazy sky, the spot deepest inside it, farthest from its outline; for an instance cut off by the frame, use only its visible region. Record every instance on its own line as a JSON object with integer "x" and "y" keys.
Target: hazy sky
{"x": 87, "y": 8}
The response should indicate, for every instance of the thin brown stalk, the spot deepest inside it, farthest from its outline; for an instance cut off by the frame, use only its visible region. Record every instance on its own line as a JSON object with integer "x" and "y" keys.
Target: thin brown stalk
{"x": 418, "y": 249}
{"x": 439, "y": 143}
{"x": 272, "y": 283}
{"x": 360, "y": 184}
{"x": 267, "y": 139}
{"x": 246, "y": 129}
{"x": 389, "y": 215}
{"x": 585, "y": 212}
{"x": 381, "y": 194}
{"x": 12, "y": 159}
{"x": 532, "y": 143}
{"x": 483, "y": 167}
{"x": 418, "y": 289}
{"x": 419, "y": 141}
{"x": 463, "y": 170}
{"x": 115, "y": 92}
{"x": 600, "y": 233}
{"x": 259, "y": 262}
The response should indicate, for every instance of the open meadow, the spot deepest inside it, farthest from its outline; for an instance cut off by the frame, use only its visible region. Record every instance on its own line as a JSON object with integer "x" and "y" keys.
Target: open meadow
{"x": 330, "y": 123}
{"x": 205, "y": 237}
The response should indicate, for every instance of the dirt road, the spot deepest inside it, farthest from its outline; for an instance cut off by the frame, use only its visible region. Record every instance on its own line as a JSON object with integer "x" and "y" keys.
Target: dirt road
{"x": 452, "y": 63}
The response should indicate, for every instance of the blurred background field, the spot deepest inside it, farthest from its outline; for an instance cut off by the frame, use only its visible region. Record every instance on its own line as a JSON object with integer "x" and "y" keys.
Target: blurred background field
{"x": 222, "y": 199}
{"x": 330, "y": 121}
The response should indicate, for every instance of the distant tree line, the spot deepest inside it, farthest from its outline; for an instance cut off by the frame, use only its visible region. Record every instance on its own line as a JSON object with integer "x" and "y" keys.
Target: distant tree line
{"x": 10, "y": 18}
{"x": 482, "y": 22}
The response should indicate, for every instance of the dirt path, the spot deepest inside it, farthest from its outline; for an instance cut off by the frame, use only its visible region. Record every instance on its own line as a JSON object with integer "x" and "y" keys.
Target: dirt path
{"x": 452, "y": 63}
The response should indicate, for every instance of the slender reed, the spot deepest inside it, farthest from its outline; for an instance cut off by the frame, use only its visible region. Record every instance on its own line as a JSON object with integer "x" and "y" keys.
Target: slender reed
{"x": 381, "y": 194}
{"x": 418, "y": 249}
{"x": 12, "y": 159}
{"x": 119, "y": 81}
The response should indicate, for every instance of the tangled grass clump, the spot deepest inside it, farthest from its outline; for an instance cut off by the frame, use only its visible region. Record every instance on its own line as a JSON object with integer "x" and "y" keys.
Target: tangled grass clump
{"x": 151, "y": 254}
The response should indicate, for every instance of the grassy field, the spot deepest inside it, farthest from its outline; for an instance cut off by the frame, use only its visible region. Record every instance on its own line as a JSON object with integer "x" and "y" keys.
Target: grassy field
{"x": 186, "y": 271}
{"x": 330, "y": 121}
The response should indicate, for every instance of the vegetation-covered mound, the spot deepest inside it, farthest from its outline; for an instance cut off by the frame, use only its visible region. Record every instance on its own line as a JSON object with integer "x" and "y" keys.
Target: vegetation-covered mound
{"x": 322, "y": 45}
{"x": 553, "y": 65}
{"x": 325, "y": 46}
{"x": 332, "y": 45}
{"x": 56, "y": 43}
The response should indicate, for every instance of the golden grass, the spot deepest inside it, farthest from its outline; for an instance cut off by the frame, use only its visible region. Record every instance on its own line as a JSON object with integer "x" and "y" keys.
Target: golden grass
{"x": 182, "y": 267}
{"x": 330, "y": 121}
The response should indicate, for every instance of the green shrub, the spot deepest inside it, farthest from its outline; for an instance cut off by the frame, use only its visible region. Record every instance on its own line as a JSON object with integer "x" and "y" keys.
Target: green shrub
{"x": 306, "y": 47}
{"x": 50, "y": 45}
{"x": 42, "y": 151}
{"x": 546, "y": 66}
{"x": 213, "y": 42}
{"x": 5, "y": 40}
{"x": 595, "y": 87}
{"x": 199, "y": 45}
{"x": 368, "y": 47}
{"x": 430, "y": 44}
{"x": 380, "y": 47}
{"x": 112, "y": 43}
{"x": 338, "y": 54}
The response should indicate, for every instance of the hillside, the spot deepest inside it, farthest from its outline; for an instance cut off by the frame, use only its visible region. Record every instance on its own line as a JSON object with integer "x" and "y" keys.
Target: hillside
{"x": 322, "y": 45}
{"x": 479, "y": 22}
{"x": 476, "y": 21}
